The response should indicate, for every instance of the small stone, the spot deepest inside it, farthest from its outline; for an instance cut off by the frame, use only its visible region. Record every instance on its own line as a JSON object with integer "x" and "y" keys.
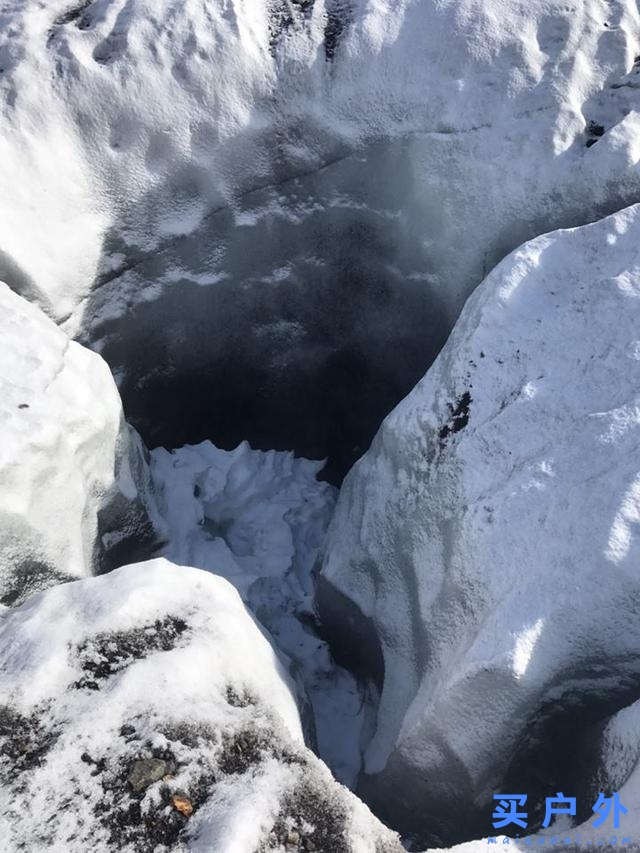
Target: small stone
{"x": 293, "y": 839}
{"x": 145, "y": 772}
{"x": 182, "y": 804}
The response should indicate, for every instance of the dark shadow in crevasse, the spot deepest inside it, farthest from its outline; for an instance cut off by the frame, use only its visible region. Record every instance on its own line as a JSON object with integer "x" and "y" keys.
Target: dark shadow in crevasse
{"x": 561, "y": 745}
{"x": 296, "y": 320}
{"x": 310, "y": 369}
{"x": 303, "y": 337}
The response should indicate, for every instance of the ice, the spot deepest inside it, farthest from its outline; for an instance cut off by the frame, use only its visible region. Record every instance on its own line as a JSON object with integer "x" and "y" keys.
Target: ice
{"x": 482, "y": 557}
{"x": 248, "y": 513}
{"x": 259, "y": 520}
{"x": 75, "y": 494}
{"x": 222, "y": 142}
{"x": 267, "y": 217}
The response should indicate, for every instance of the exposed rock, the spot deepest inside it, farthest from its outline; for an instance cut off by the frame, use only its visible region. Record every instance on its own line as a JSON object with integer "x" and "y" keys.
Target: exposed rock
{"x": 193, "y": 743}
{"x": 74, "y": 480}
{"x": 145, "y": 772}
{"x": 182, "y": 804}
{"x": 484, "y": 551}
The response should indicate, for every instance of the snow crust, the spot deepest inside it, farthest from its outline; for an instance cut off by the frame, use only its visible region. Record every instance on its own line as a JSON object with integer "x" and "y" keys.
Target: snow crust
{"x": 73, "y": 477}
{"x": 488, "y": 540}
{"x": 158, "y": 662}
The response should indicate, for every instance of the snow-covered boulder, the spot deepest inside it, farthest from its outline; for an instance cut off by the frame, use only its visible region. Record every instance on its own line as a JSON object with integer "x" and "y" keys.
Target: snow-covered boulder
{"x": 145, "y": 710}
{"x": 245, "y": 204}
{"x": 482, "y": 564}
{"x": 74, "y": 480}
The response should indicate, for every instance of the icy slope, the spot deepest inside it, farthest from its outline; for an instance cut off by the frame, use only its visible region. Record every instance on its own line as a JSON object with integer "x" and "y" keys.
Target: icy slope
{"x": 74, "y": 482}
{"x": 245, "y": 203}
{"x": 145, "y": 711}
{"x": 486, "y": 547}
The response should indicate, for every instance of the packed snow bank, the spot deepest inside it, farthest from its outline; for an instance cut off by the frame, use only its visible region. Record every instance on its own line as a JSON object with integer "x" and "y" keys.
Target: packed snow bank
{"x": 248, "y": 514}
{"x": 482, "y": 561}
{"x": 73, "y": 476}
{"x": 248, "y": 205}
{"x": 259, "y": 520}
{"x": 145, "y": 710}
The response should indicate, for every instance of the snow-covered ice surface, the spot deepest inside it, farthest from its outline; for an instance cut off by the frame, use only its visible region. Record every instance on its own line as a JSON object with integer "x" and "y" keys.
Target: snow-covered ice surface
{"x": 250, "y": 514}
{"x": 266, "y": 216}
{"x": 74, "y": 482}
{"x": 259, "y": 520}
{"x": 194, "y": 186}
{"x": 146, "y": 711}
{"x": 486, "y": 545}
{"x": 136, "y": 122}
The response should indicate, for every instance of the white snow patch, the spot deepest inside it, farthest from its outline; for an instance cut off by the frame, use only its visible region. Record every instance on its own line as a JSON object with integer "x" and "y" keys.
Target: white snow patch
{"x": 525, "y": 644}
{"x": 259, "y": 519}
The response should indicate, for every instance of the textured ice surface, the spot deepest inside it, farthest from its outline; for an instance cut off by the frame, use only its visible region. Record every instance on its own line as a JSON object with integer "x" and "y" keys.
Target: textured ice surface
{"x": 224, "y": 112}
{"x": 487, "y": 544}
{"x": 74, "y": 483}
{"x": 250, "y": 514}
{"x": 266, "y": 216}
{"x": 128, "y": 695}
{"x": 259, "y": 520}
{"x": 249, "y": 205}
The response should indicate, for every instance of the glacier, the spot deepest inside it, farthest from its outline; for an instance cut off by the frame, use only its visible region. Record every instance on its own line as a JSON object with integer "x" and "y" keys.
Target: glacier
{"x": 75, "y": 490}
{"x": 318, "y": 421}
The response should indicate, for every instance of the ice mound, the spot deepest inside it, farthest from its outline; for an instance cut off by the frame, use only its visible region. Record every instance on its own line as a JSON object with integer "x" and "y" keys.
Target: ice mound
{"x": 246, "y": 513}
{"x": 74, "y": 481}
{"x": 144, "y": 711}
{"x": 247, "y": 205}
{"x": 481, "y": 566}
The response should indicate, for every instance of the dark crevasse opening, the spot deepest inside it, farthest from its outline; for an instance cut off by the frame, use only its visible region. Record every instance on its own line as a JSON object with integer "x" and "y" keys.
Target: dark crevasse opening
{"x": 315, "y": 372}
{"x": 295, "y": 321}
{"x": 561, "y": 748}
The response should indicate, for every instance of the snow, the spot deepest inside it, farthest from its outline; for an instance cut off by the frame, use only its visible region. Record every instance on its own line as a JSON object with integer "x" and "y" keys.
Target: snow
{"x": 488, "y": 540}
{"x": 266, "y": 217}
{"x": 391, "y": 151}
{"x": 73, "y": 479}
{"x": 158, "y": 661}
{"x": 259, "y": 519}
{"x": 112, "y": 108}
{"x": 248, "y": 513}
